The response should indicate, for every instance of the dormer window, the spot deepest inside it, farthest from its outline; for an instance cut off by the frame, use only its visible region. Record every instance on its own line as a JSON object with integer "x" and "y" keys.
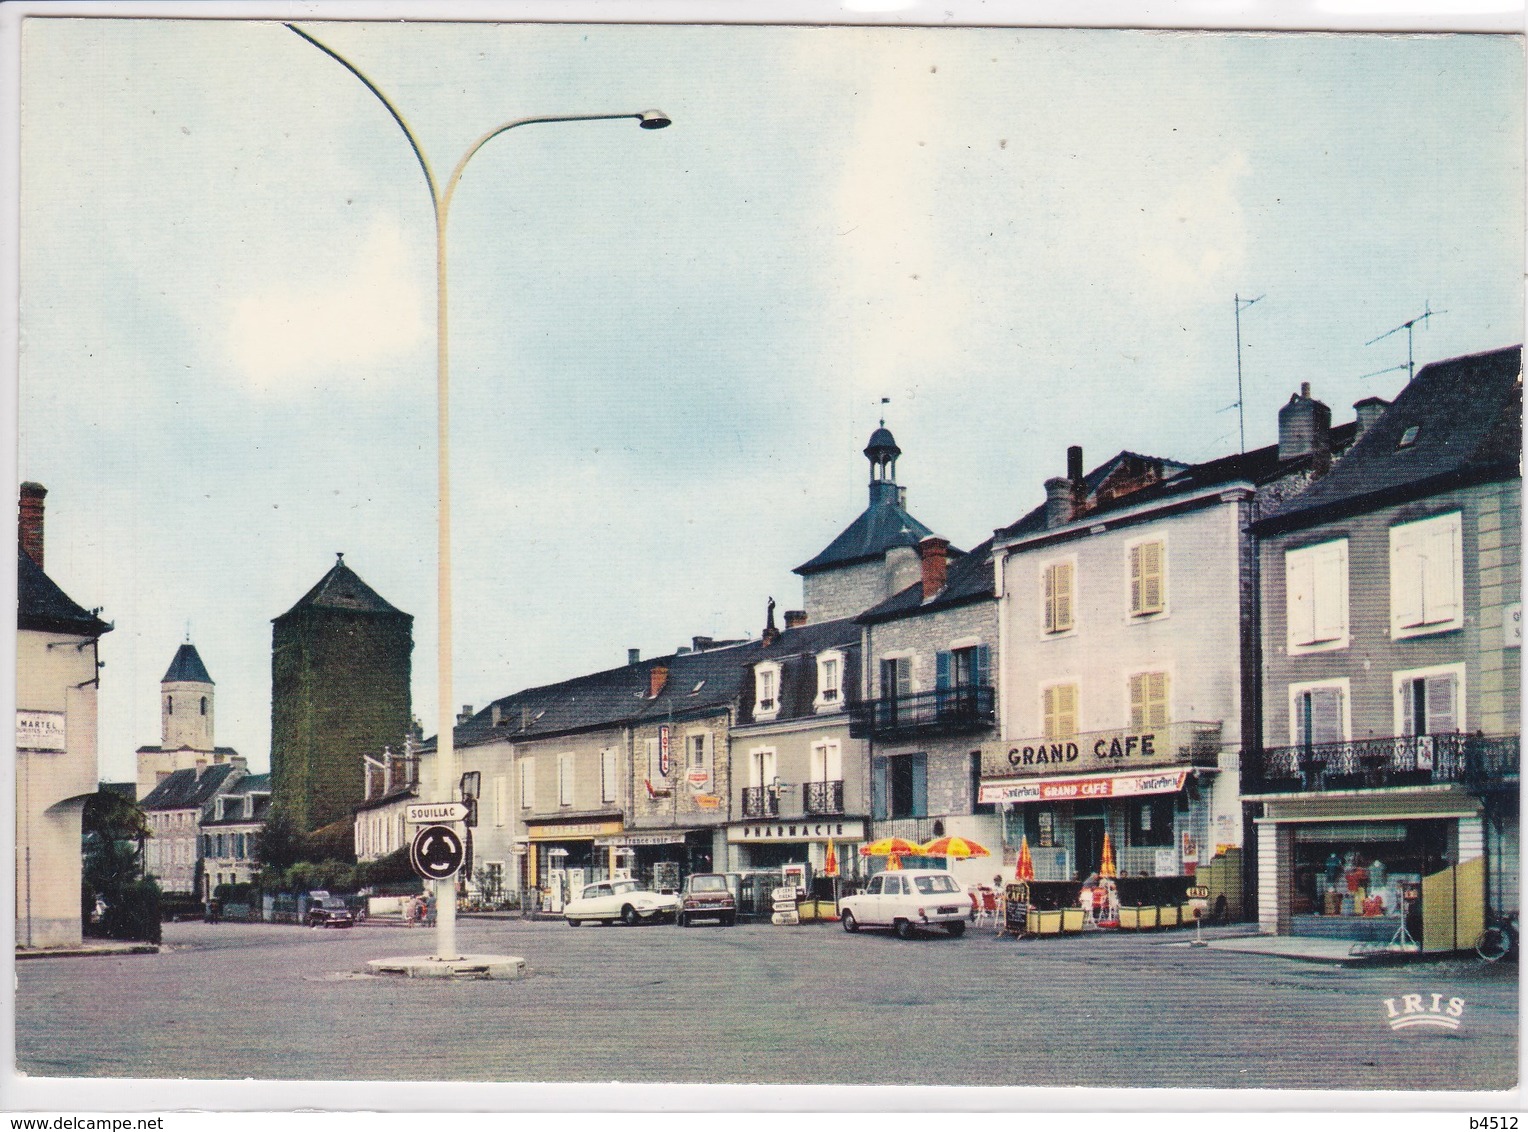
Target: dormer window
{"x": 1409, "y": 437}
{"x": 766, "y": 684}
{"x": 830, "y": 681}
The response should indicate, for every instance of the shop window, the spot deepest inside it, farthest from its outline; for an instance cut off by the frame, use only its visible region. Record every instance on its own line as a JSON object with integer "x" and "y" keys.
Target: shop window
{"x": 899, "y": 786}
{"x": 1147, "y": 578}
{"x": 1316, "y": 601}
{"x": 1151, "y": 822}
{"x": 1148, "y": 701}
{"x": 1059, "y": 711}
{"x": 1318, "y": 714}
{"x": 1058, "y": 596}
{"x": 1426, "y": 594}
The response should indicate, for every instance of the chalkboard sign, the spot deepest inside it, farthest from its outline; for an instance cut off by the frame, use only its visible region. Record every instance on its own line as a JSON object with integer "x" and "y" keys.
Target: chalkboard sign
{"x": 1017, "y": 920}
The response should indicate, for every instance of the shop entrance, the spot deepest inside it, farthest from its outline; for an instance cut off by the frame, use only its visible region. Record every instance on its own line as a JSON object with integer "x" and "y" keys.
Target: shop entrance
{"x": 1350, "y": 878}
{"x": 1090, "y": 845}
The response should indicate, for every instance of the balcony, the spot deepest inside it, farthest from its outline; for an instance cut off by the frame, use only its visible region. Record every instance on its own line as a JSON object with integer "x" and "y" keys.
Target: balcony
{"x": 946, "y": 711}
{"x": 1480, "y": 764}
{"x": 1185, "y": 743}
{"x": 760, "y": 802}
{"x": 822, "y": 798}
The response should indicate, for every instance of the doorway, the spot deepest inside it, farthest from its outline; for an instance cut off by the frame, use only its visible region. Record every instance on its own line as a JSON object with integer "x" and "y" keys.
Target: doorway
{"x": 1090, "y": 846}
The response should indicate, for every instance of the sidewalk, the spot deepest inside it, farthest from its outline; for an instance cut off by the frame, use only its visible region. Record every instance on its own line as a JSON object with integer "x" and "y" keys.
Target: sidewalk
{"x": 102, "y": 947}
{"x": 1310, "y": 949}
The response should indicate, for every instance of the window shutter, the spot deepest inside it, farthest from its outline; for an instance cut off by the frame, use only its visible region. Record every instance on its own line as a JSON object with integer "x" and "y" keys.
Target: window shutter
{"x": 1136, "y": 596}
{"x": 1048, "y": 710}
{"x": 1406, "y": 607}
{"x": 1329, "y": 614}
{"x": 1138, "y": 702}
{"x": 1156, "y": 714}
{"x": 835, "y": 764}
{"x": 942, "y": 664}
{"x": 1299, "y": 573}
{"x": 983, "y": 666}
{"x": 1441, "y": 716}
{"x": 1151, "y": 577}
{"x": 1063, "y": 596}
{"x": 920, "y": 784}
{"x": 1440, "y": 587}
{"x": 1066, "y": 710}
{"x": 878, "y": 787}
{"x": 1049, "y": 578}
{"x": 1325, "y": 715}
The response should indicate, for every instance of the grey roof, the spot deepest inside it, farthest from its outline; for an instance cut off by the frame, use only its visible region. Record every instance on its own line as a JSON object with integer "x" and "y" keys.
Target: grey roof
{"x": 968, "y": 579}
{"x": 187, "y": 667}
{"x": 342, "y": 589}
{"x": 796, "y": 652}
{"x": 42, "y": 607}
{"x": 1467, "y": 413}
{"x": 880, "y": 527}
{"x": 185, "y": 789}
{"x": 125, "y": 790}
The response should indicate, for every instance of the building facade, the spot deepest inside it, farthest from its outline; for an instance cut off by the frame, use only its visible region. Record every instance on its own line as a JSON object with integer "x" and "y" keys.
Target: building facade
{"x": 175, "y": 811}
{"x": 56, "y": 682}
{"x": 1387, "y": 781}
{"x": 230, "y": 831}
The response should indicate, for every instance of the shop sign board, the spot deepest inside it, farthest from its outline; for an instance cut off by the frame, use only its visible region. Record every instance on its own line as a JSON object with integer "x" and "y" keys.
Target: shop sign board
{"x": 40, "y": 731}
{"x": 708, "y": 801}
{"x": 574, "y": 831}
{"x": 699, "y": 779}
{"x": 837, "y": 829}
{"x": 663, "y": 750}
{"x": 1084, "y": 789}
{"x": 1512, "y": 625}
{"x": 1094, "y": 752}
{"x": 633, "y": 840}
{"x": 1166, "y": 863}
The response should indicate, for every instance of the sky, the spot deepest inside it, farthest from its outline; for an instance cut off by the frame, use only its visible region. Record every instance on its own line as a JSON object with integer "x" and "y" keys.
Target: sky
{"x": 668, "y": 348}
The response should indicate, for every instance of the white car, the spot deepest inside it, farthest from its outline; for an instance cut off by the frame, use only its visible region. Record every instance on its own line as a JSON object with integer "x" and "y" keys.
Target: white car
{"x": 624, "y": 900}
{"x": 908, "y": 899}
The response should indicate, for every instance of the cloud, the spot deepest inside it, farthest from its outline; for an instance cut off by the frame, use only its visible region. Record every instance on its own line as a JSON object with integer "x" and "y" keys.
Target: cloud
{"x": 283, "y": 338}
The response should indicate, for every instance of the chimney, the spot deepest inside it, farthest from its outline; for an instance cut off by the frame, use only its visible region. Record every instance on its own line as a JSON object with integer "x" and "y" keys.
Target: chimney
{"x": 902, "y": 497}
{"x": 1074, "y": 464}
{"x": 935, "y": 553}
{"x": 464, "y": 715}
{"x": 31, "y": 520}
{"x": 496, "y": 715}
{"x": 633, "y": 656}
{"x": 1060, "y": 501}
{"x": 657, "y": 676}
{"x": 795, "y": 618}
{"x": 770, "y": 634}
{"x": 1304, "y": 424}
{"x": 701, "y": 644}
{"x": 1368, "y": 412}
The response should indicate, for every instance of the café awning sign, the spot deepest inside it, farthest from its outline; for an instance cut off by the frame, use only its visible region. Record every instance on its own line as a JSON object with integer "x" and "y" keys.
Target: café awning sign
{"x": 1085, "y": 789}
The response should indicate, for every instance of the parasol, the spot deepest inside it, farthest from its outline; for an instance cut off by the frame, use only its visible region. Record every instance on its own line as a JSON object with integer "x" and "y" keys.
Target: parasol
{"x": 890, "y": 847}
{"x": 830, "y": 864}
{"x": 954, "y": 847}
{"x": 1106, "y": 867}
{"x": 1026, "y": 866}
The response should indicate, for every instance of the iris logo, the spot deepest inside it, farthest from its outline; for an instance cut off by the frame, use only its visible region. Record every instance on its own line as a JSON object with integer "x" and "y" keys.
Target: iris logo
{"x": 1424, "y": 1010}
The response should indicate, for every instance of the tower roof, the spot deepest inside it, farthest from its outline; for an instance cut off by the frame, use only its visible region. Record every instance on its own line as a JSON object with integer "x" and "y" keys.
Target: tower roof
{"x": 342, "y": 589}
{"x": 881, "y": 441}
{"x": 186, "y": 668}
{"x": 881, "y": 526}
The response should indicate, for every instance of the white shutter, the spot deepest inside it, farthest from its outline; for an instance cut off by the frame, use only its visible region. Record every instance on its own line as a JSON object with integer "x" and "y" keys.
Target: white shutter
{"x": 528, "y": 783}
{"x": 500, "y": 799}
{"x": 1299, "y": 573}
{"x": 1440, "y": 570}
{"x": 607, "y": 774}
{"x": 1329, "y": 613}
{"x": 1442, "y": 717}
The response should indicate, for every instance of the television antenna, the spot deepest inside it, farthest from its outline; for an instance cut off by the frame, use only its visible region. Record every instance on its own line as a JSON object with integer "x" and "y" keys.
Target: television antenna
{"x": 1409, "y": 327}
{"x": 1241, "y": 412}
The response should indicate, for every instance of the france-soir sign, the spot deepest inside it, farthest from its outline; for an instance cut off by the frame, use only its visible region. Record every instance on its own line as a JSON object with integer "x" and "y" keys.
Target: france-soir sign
{"x": 437, "y": 852}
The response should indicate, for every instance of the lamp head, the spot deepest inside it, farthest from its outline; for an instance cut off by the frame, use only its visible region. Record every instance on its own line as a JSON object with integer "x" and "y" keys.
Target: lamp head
{"x": 653, "y": 119}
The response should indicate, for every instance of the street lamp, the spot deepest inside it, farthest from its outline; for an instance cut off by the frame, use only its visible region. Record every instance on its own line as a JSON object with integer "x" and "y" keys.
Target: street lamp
{"x": 445, "y": 749}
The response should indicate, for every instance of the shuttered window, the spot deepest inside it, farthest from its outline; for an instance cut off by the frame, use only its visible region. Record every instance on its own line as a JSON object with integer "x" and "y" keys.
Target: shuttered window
{"x": 1317, "y": 715}
{"x": 1429, "y": 704}
{"x": 1148, "y": 701}
{"x": 1058, "y": 597}
{"x": 564, "y": 780}
{"x": 1146, "y": 578}
{"x": 607, "y": 774}
{"x": 1316, "y": 601}
{"x": 527, "y": 782}
{"x": 500, "y": 799}
{"x": 1059, "y": 706}
{"x": 1426, "y": 592}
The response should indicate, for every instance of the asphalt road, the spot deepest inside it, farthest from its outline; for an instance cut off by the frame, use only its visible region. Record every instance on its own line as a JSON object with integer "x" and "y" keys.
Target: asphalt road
{"x": 757, "y": 1004}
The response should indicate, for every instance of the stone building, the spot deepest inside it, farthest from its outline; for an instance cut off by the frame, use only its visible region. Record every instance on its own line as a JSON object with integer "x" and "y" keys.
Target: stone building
{"x": 341, "y": 662}
{"x": 174, "y": 811}
{"x": 56, "y": 684}
{"x": 186, "y": 715}
{"x": 230, "y": 831}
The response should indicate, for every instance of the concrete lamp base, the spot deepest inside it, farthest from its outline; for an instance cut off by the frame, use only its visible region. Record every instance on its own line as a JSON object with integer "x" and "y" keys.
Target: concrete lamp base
{"x": 465, "y": 967}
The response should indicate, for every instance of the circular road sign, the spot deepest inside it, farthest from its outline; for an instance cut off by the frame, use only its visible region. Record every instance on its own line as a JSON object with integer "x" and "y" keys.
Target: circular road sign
{"x": 437, "y": 852}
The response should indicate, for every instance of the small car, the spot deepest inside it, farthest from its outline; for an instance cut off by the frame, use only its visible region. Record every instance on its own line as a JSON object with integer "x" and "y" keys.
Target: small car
{"x": 330, "y": 912}
{"x": 707, "y": 897}
{"x": 626, "y": 900}
{"x": 906, "y": 900}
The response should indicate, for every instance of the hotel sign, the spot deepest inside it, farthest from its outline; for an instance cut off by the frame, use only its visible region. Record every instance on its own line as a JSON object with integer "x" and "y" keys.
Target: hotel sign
{"x": 821, "y": 829}
{"x": 40, "y": 731}
{"x": 1084, "y": 789}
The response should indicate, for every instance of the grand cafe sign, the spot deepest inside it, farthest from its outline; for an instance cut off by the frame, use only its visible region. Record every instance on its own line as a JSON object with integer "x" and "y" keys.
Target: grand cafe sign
{"x": 1103, "y": 751}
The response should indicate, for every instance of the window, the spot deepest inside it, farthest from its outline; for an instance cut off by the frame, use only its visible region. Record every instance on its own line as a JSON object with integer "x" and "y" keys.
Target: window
{"x": 899, "y": 786}
{"x": 962, "y": 668}
{"x": 169, "y": 705}
{"x": 527, "y": 781}
{"x": 204, "y": 705}
{"x": 766, "y": 681}
{"x": 1316, "y": 600}
{"x": 1148, "y": 701}
{"x": 1059, "y": 711}
{"x": 1318, "y": 713}
{"x": 1058, "y": 597}
{"x": 698, "y": 750}
{"x": 1151, "y": 822}
{"x": 1409, "y": 437}
{"x": 1429, "y": 701}
{"x": 607, "y": 774}
{"x": 894, "y": 886}
{"x": 1147, "y": 587}
{"x": 873, "y": 887}
{"x": 500, "y": 799}
{"x": 1425, "y": 577}
{"x": 896, "y": 676}
{"x": 565, "y": 780}
{"x": 830, "y": 677}
{"x": 761, "y": 767}
{"x": 827, "y": 762}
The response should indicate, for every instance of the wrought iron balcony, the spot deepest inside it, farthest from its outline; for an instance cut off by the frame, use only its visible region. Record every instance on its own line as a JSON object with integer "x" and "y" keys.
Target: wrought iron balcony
{"x": 945, "y": 711}
{"x": 823, "y": 797}
{"x": 760, "y": 802}
{"x": 1478, "y": 763}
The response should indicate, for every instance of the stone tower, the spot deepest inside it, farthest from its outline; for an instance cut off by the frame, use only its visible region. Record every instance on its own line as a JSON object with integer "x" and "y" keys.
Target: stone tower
{"x": 186, "y": 733}
{"x": 341, "y": 664}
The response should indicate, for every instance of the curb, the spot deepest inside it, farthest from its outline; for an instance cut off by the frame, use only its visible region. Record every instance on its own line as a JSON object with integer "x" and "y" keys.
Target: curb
{"x": 82, "y": 952}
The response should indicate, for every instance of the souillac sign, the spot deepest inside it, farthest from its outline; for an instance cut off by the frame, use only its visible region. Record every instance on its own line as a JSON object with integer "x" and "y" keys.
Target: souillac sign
{"x": 1104, "y": 750}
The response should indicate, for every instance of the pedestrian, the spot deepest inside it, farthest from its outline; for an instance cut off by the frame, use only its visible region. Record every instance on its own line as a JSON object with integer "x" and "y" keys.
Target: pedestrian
{"x": 408, "y": 911}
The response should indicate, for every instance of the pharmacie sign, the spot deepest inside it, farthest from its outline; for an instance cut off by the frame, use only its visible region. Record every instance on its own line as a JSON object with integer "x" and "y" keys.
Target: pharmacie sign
{"x": 797, "y": 831}
{"x": 1083, "y": 789}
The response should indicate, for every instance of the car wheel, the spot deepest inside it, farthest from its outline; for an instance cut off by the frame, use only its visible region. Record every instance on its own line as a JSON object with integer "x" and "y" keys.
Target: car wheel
{"x": 629, "y": 916}
{"x": 904, "y": 929}
{"x": 680, "y": 920}
{"x": 956, "y": 928}
{"x": 572, "y": 923}
{"x": 728, "y": 921}
{"x": 849, "y": 922}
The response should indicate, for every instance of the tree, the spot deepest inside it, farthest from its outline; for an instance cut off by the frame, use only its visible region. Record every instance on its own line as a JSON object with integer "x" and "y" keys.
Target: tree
{"x": 279, "y": 845}
{"x": 114, "y": 830}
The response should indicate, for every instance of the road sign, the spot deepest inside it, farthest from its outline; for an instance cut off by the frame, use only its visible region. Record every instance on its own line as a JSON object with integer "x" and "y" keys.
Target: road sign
{"x": 429, "y": 813}
{"x": 1198, "y": 892}
{"x": 437, "y": 852}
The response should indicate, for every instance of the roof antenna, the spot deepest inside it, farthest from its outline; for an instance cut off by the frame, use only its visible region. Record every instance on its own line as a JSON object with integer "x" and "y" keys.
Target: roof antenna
{"x": 884, "y": 401}
{"x": 1408, "y": 326}
{"x": 1241, "y": 411}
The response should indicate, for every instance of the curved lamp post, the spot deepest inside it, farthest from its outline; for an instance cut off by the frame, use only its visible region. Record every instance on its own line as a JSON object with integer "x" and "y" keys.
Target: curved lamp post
{"x": 445, "y": 748}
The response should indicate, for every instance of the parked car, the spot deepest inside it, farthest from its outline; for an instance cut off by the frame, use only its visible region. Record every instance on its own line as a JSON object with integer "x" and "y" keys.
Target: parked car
{"x": 624, "y": 900}
{"x": 906, "y": 900}
{"x": 707, "y": 897}
{"x": 329, "y": 912}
